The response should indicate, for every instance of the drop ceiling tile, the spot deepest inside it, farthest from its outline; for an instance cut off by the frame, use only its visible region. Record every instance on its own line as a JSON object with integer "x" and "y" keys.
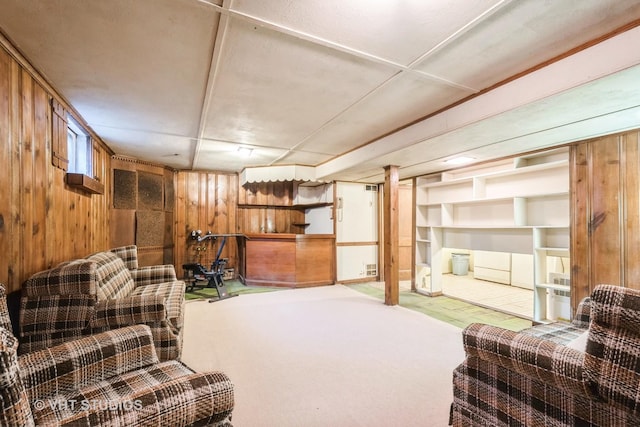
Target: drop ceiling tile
{"x": 135, "y": 64}
{"x": 608, "y": 105}
{"x": 224, "y": 156}
{"x": 169, "y": 150}
{"x": 399, "y": 31}
{"x": 402, "y": 100}
{"x": 303, "y": 158}
{"x": 523, "y": 34}
{"x": 274, "y": 90}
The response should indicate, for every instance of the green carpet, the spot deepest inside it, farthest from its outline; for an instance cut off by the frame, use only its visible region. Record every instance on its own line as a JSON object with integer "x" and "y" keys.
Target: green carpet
{"x": 450, "y": 310}
{"x": 233, "y": 287}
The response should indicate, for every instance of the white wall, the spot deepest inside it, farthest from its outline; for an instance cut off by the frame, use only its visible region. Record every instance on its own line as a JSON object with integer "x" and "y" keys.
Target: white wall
{"x": 356, "y": 211}
{"x": 320, "y": 220}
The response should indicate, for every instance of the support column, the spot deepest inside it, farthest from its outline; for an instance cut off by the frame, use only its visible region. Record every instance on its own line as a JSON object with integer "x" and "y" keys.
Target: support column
{"x": 391, "y": 236}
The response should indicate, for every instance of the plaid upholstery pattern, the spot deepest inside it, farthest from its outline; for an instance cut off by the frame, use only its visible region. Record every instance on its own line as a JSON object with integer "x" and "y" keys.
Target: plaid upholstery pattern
{"x": 557, "y": 332}
{"x": 87, "y": 360}
{"x": 148, "y": 309}
{"x": 5, "y": 320}
{"x": 173, "y": 300}
{"x": 583, "y": 314}
{"x": 114, "y": 279}
{"x": 613, "y": 346}
{"x": 128, "y": 254}
{"x": 531, "y": 378}
{"x": 168, "y": 395}
{"x": 99, "y": 293}
{"x": 115, "y": 313}
{"x": 144, "y": 276}
{"x": 14, "y": 402}
{"x": 57, "y": 304}
{"x": 110, "y": 379}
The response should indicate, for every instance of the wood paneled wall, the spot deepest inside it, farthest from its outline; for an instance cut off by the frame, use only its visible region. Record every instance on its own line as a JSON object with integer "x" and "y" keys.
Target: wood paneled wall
{"x": 605, "y": 214}
{"x": 205, "y": 201}
{"x": 42, "y": 220}
{"x": 267, "y": 207}
{"x": 146, "y": 220}
{"x": 405, "y": 231}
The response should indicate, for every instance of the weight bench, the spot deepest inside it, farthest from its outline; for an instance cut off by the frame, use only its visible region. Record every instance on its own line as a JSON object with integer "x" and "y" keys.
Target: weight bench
{"x": 195, "y": 272}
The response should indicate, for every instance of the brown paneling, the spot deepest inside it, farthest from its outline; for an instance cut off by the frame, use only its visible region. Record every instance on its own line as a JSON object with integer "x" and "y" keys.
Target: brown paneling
{"x": 123, "y": 229}
{"x": 314, "y": 260}
{"x": 205, "y": 201}
{"x": 140, "y": 194}
{"x": 270, "y": 220}
{"x": 267, "y": 207}
{"x": 290, "y": 260}
{"x": 391, "y": 237}
{"x": 605, "y": 223}
{"x": 6, "y": 177}
{"x": 42, "y": 220}
{"x": 631, "y": 224}
{"x": 266, "y": 193}
{"x": 605, "y": 242}
{"x": 271, "y": 260}
{"x": 59, "y": 153}
{"x": 152, "y": 256}
{"x": 405, "y": 231}
{"x": 580, "y": 207}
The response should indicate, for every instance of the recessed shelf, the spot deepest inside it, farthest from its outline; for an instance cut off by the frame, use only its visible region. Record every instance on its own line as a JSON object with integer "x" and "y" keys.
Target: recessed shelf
{"x": 554, "y": 286}
{"x": 517, "y": 206}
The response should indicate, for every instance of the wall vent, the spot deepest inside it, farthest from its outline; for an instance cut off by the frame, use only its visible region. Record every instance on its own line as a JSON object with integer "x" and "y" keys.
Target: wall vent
{"x": 560, "y": 279}
{"x": 371, "y": 270}
{"x": 559, "y": 293}
{"x": 371, "y": 187}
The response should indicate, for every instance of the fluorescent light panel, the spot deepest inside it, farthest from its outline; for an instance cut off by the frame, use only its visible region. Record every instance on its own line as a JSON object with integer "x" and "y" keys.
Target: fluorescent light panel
{"x": 459, "y": 160}
{"x": 245, "y": 151}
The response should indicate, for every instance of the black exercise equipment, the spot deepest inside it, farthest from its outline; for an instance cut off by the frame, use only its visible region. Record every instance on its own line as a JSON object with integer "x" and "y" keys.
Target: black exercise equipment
{"x": 195, "y": 272}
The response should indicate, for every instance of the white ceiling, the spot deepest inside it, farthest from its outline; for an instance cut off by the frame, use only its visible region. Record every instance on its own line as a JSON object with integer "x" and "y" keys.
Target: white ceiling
{"x": 348, "y": 86}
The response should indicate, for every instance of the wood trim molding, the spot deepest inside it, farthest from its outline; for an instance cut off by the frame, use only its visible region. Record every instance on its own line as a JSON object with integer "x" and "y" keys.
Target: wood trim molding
{"x": 391, "y": 233}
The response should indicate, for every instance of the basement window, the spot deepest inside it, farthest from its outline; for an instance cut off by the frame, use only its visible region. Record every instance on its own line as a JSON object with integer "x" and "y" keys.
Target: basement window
{"x": 80, "y": 156}
{"x": 79, "y": 148}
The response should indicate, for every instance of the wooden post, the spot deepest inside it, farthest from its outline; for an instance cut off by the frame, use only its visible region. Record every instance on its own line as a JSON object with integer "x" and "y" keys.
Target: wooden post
{"x": 391, "y": 236}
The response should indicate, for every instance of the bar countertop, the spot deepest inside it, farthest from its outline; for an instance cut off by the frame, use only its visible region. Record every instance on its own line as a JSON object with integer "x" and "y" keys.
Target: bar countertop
{"x": 290, "y": 260}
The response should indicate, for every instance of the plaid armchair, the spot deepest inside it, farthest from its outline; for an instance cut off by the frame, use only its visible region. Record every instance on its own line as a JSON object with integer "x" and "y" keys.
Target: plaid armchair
{"x": 106, "y": 290}
{"x": 111, "y": 379}
{"x": 543, "y": 376}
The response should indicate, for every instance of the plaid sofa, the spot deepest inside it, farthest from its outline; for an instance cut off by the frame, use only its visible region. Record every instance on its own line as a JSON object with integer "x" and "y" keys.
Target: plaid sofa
{"x": 106, "y": 290}
{"x": 108, "y": 379}
{"x": 543, "y": 377}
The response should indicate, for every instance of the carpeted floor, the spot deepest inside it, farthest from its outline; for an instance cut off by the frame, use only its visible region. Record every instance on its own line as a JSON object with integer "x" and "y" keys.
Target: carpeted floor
{"x": 233, "y": 287}
{"x": 325, "y": 356}
{"x": 450, "y": 310}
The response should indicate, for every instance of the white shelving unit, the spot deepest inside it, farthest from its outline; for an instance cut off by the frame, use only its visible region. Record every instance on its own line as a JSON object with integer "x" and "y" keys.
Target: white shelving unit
{"x": 519, "y": 205}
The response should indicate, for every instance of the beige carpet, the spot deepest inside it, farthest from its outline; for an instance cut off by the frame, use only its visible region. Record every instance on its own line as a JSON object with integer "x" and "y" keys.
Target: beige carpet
{"x": 327, "y": 356}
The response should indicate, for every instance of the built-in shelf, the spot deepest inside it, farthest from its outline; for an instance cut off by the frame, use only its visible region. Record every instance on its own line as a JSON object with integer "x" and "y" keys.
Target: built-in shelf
{"x": 554, "y": 286}
{"x": 519, "y": 206}
{"x": 85, "y": 183}
{"x": 296, "y": 206}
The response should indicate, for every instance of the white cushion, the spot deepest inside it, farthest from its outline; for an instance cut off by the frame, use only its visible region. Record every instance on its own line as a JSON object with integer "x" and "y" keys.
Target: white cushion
{"x": 579, "y": 343}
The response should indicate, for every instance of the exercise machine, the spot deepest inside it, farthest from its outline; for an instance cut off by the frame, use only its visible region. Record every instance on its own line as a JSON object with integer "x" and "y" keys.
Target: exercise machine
{"x": 196, "y": 272}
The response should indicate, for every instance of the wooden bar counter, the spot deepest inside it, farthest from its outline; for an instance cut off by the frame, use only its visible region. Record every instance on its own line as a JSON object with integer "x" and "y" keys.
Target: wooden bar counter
{"x": 289, "y": 260}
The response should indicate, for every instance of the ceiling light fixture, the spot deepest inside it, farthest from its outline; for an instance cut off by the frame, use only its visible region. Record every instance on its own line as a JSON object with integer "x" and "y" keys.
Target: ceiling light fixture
{"x": 459, "y": 160}
{"x": 245, "y": 151}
